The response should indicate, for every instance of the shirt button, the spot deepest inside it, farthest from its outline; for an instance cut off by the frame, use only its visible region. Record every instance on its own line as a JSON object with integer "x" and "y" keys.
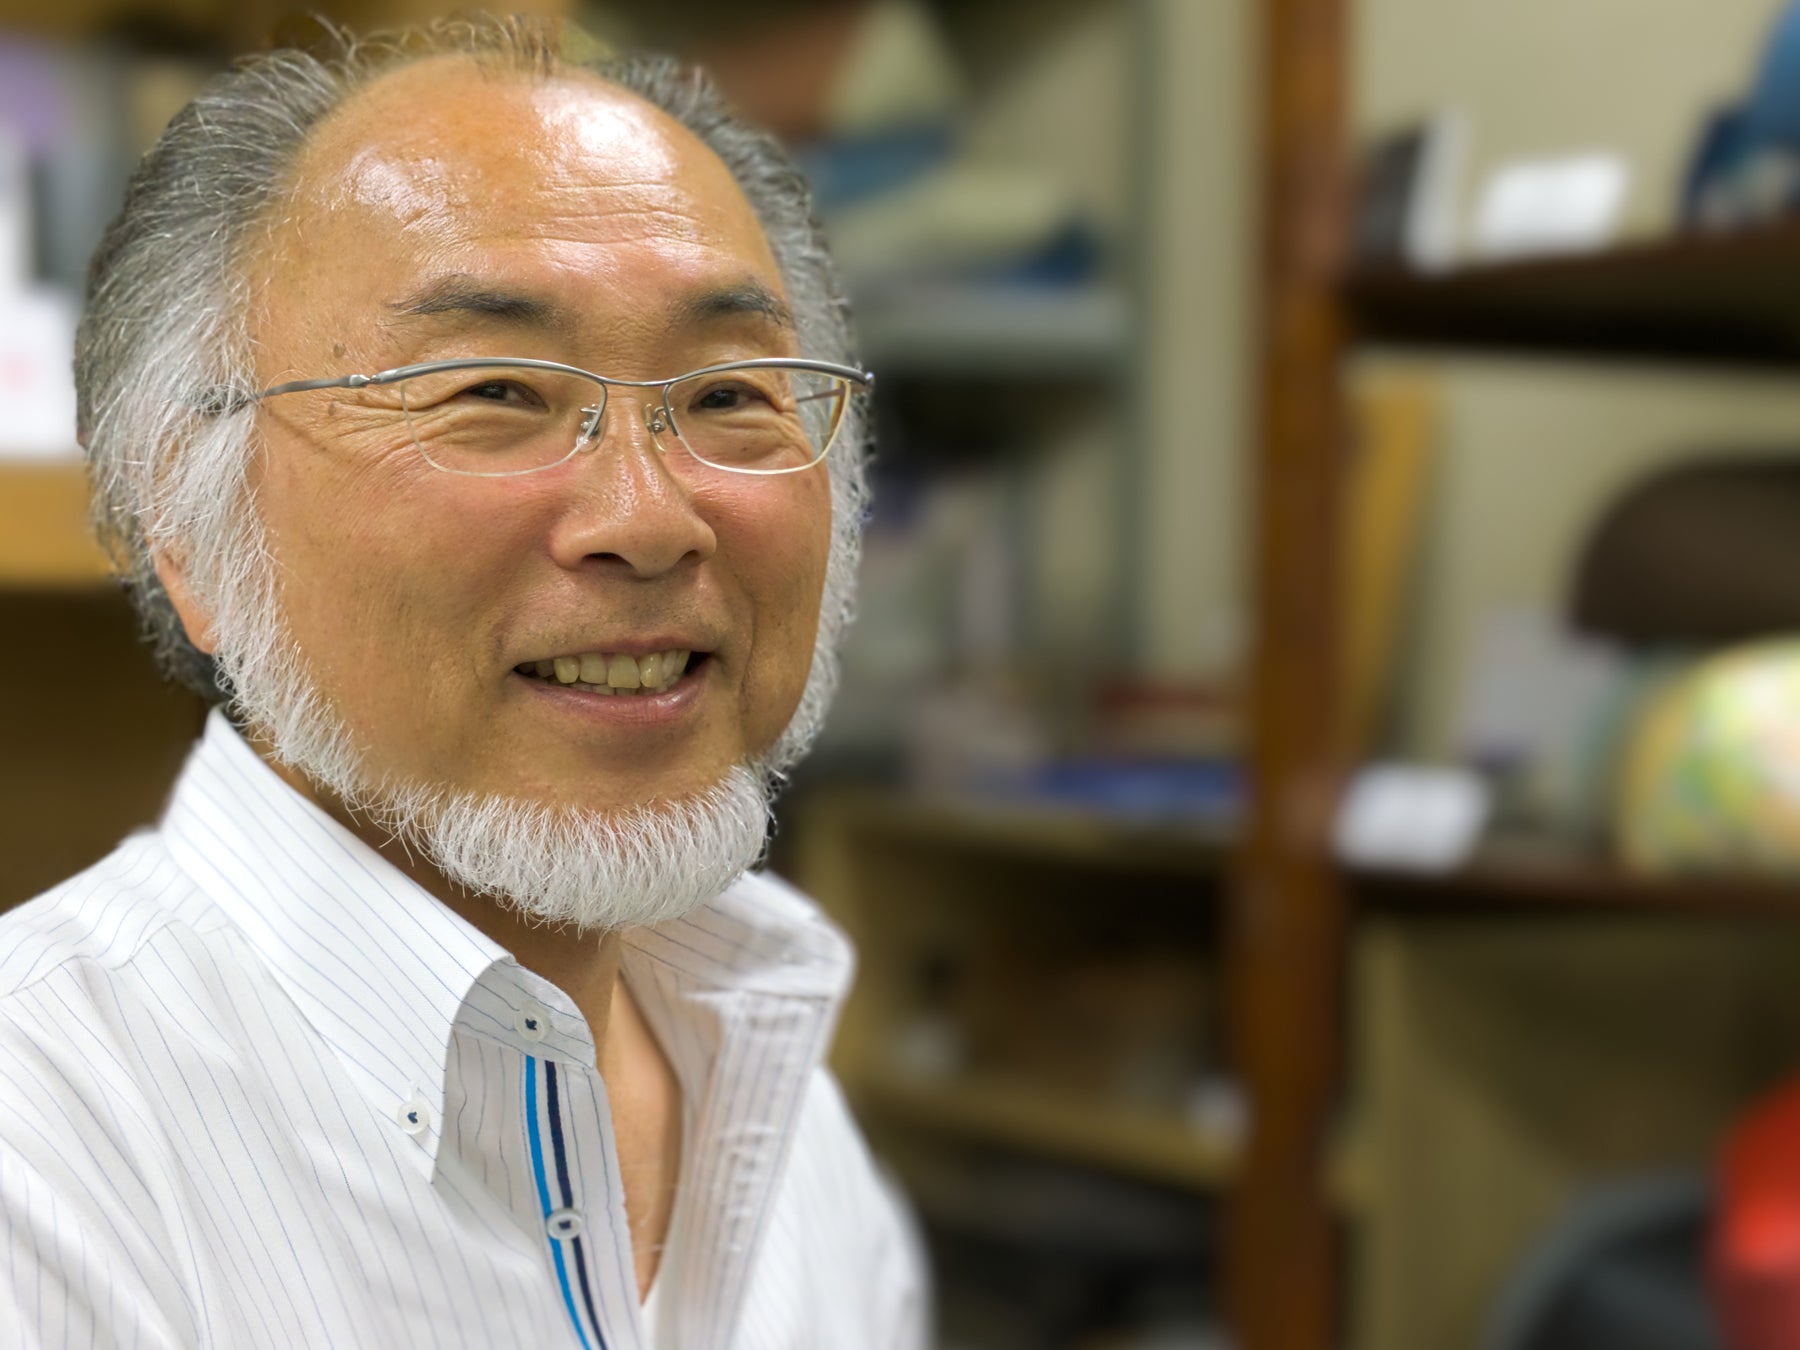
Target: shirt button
{"x": 564, "y": 1224}
{"x": 531, "y": 1022}
{"x": 414, "y": 1116}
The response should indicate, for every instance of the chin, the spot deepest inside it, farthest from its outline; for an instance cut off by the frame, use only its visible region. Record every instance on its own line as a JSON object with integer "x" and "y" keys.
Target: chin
{"x": 596, "y": 868}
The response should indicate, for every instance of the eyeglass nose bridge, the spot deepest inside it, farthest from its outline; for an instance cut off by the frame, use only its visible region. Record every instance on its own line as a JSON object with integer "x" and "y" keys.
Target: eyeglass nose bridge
{"x": 657, "y": 419}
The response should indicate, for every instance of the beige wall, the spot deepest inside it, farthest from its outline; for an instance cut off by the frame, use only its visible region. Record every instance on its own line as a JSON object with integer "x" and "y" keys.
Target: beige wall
{"x": 1202, "y": 270}
{"x": 1545, "y": 76}
{"x": 1067, "y": 103}
{"x": 1532, "y": 450}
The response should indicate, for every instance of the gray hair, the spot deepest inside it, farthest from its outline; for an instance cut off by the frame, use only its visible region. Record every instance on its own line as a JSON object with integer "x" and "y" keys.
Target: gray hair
{"x": 164, "y": 337}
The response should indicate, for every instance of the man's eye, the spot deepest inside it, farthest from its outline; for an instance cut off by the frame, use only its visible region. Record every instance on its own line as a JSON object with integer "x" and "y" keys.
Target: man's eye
{"x": 503, "y": 391}
{"x": 729, "y": 398}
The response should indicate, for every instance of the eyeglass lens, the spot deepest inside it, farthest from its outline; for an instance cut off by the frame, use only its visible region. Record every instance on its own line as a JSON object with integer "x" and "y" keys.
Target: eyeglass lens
{"x": 500, "y": 419}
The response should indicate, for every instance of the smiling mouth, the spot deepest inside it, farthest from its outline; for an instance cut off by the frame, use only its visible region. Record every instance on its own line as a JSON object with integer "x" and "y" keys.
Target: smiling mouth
{"x": 613, "y": 672}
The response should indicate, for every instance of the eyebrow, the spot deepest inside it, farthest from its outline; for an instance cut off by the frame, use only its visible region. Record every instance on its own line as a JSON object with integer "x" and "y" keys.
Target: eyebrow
{"x": 749, "y": 298}
{"x": 461, "y": 294}
{"x": 464, "y": 294}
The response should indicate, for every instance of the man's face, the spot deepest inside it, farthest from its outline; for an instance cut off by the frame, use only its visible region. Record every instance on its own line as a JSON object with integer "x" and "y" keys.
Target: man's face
{"x": 445, "y": 214}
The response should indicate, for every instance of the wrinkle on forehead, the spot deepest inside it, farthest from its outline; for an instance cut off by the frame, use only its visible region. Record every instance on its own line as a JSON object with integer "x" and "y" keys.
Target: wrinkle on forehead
{"x": 441, "y": 166}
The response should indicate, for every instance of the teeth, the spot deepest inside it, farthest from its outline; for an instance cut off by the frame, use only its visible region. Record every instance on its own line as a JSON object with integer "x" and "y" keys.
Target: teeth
{"x": 622, "y": 673}
{"x": 618, "y": 673}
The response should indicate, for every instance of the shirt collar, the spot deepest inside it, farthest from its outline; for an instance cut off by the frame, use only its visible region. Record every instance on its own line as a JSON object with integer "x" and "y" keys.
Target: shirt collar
{"x": 383, "y": 970}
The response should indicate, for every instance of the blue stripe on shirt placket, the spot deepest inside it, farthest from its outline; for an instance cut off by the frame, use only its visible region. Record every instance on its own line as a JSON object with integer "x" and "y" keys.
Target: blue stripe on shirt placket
{"x": 533, "y": 1137}
{"x": 561, "y": 1157}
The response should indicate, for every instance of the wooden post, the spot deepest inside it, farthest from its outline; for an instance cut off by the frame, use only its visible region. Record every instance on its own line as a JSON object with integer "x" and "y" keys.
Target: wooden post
{"x": 1286, "y": 932}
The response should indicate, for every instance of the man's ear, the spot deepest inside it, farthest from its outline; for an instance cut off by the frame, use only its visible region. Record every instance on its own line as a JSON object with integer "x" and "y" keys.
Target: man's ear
{"x": 193, "y": 616}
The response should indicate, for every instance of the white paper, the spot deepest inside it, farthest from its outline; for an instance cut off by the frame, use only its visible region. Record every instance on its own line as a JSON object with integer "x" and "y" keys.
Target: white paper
{"x": 1412, "y": 818}
{"x": 37, "y": 378}
{"x": 1551, "y": 206}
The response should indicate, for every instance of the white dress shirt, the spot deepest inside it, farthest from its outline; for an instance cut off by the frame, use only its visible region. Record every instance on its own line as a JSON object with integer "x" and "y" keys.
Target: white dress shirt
{"x": 258, "y": 1089}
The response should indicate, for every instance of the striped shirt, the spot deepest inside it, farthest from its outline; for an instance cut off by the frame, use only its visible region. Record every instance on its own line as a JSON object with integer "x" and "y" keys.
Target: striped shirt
{"x": 259, "y": 1089}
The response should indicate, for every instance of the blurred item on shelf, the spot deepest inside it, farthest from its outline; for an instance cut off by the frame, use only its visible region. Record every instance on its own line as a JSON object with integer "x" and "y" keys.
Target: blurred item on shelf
{"x": 1542, "y": 710}
{"x": 1137, "y": 717}
{"x": 1570, "y": 203}
{"x": 72, "y": 122}
{"x": 1711, "y": 778}
{"x": 1697, "y": 554}
{"x": 1622, "y": 1268}
{"x": 1387, "y": 496}
{"x": 1411, "y": 818}
{"x": 1206, "y": 796}
{"x": 1406, "y": 195}
{"x": 871, "y": 98}
{"x": 1745, "y": 165}
{"x": 1691, "y": 560}
{"x": 81, "y": 116}
{"x": 839, "y": 70}
{"x": 37, "y": 385}
{"x": 1755, "y": 1239}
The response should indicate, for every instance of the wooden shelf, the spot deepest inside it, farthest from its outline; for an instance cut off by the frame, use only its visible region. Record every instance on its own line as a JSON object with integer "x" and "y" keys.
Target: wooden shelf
{"x": 1726, "y": 297}
{"x": 1543, "y": 882}
{"x": 1055, "y": 834}
{"x": 943, "y": 330}
{"x": 45, "y": 542}
{"x": 1017, "y": 1115}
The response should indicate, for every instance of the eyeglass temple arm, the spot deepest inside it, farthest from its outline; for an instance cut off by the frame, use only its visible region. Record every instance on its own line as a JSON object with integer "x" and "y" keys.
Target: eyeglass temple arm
{"x": 301, "y": 386}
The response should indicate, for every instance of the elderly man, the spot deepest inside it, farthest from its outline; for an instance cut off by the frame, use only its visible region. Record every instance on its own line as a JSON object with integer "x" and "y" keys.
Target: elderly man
{"x": 480, "y": 427}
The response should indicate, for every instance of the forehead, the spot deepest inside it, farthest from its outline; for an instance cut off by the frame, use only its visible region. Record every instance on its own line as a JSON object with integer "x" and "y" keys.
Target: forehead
{"x": 567, "y": 183}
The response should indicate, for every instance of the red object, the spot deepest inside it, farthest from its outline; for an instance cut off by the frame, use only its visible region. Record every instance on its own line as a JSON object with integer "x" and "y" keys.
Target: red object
{"x": 1756, "y": 1234}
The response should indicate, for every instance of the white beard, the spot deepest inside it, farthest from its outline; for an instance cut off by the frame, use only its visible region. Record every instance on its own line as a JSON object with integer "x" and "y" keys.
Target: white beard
{"x": 595, "y": 869}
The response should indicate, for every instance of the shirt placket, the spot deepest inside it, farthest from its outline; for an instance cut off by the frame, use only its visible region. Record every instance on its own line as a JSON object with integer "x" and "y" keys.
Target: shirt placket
{"x": 580, "y": 1193}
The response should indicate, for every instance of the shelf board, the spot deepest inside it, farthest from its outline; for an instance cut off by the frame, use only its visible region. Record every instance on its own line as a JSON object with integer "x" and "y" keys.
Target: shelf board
{"x": 945, "y": 330}
{"x": 1544, "y": 881}
{"x": 1048, "y": 833}
{"x": 1011, "y": 1114}
{"x": 1725, "y": 297}
{"x": 45, "y": 542}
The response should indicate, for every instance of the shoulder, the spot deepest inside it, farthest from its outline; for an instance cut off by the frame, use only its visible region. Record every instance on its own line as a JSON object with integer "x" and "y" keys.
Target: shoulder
{"x": 85, "y": 972}
{"x": 82, "y": 1143}
{"x": 855, "y": 1224}
{"x": 100, "y": 918}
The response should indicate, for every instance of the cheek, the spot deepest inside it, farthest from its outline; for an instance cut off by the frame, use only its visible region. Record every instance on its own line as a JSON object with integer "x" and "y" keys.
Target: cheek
{"x": 374, "y": 548}
{"x": 782, "y": 539}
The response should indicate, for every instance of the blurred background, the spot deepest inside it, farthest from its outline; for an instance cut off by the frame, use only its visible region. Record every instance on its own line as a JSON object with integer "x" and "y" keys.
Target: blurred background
{"x": 1316, "y": 787}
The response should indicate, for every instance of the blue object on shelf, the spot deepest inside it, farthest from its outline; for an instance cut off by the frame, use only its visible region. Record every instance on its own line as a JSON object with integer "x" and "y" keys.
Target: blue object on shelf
{"x": 1168, "y": 791}
{"x": 1773, "y": 111}
{"x": 851, "y": 169}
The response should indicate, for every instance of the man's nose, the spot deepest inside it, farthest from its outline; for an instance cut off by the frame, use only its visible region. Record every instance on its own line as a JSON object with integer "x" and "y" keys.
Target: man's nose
{"x": 633, "y": 508}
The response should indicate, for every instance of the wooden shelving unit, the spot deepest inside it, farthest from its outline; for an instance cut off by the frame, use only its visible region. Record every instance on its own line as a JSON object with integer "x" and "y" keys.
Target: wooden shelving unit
{"x": 1542, "y": 882}
{"x": 45, "y": 542}
{"x": 969, "y": 331}
{"x": 1017, "y": 901}
{"x": 1730, "y": 297}
{"x": 1404, "y": 961}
